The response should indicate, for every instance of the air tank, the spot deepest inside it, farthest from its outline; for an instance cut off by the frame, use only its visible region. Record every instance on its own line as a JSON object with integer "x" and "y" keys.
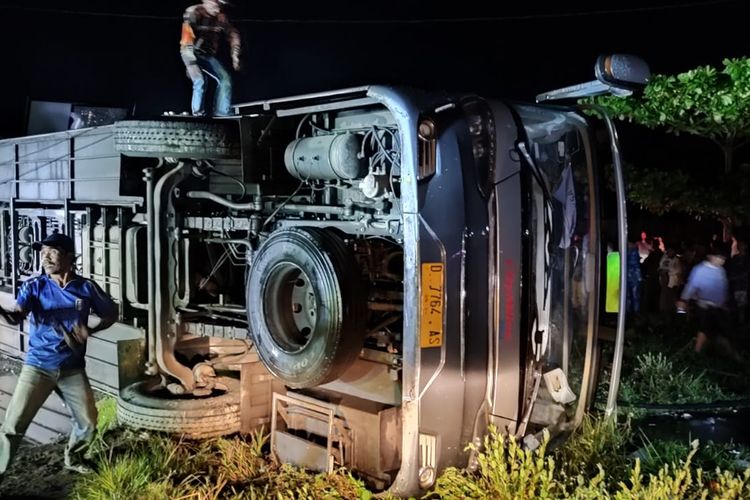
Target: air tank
{"x": 326, "y": 157}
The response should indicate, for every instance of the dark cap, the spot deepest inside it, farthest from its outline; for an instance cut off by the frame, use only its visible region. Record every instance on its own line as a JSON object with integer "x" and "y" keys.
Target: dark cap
{"x": 56, "y": 240}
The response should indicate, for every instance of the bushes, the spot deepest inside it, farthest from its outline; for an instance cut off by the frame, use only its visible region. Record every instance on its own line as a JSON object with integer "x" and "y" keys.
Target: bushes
{"x": 508, "y": 472}
{"x": 682, "y": 481}
{"x": 505, "y": 471}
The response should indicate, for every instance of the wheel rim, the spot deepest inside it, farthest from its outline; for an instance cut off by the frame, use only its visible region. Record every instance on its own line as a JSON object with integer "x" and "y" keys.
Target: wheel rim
{"x": 290, "y": 307}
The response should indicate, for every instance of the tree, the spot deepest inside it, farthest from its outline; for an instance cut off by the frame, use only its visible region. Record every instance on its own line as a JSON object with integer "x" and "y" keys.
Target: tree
{"x": 661, "y": 191}
{"x": 704, "y": 102}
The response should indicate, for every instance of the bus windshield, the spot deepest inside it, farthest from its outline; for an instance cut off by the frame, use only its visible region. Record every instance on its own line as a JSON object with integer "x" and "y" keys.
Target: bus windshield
{"x": 561, "y": 248}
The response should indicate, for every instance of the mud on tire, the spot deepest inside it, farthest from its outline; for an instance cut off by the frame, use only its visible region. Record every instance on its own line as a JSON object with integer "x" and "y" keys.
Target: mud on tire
{"x": 194, "y": 417}
{"x": 306, "y": 306}
{"x": 179, "y": 139}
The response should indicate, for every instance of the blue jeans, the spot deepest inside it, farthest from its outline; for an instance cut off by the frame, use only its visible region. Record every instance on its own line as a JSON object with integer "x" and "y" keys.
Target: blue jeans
{"x": 32, "y": 389}
{"x": 198, "y": 65}
{"x": 633, "y": 295}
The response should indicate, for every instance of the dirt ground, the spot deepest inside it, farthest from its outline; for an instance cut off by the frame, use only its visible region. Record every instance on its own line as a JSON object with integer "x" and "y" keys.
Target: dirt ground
{"x": 38, "y": 469}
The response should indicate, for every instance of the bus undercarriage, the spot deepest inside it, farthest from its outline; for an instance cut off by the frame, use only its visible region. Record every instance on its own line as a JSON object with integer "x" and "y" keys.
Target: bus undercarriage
{"x": 390, "y": 272}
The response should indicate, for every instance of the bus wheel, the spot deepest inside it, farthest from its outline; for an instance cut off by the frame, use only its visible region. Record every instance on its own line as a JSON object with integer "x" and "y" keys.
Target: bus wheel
{"x": 305, "y": 305}
{"x": 215, "y": 415}
{"x": 179, "y": 139}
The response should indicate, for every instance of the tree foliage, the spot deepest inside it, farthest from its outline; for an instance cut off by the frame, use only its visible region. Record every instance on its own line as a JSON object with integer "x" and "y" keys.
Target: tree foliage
{"x": 704, "y": 102}
{"x": 664, "y": 191}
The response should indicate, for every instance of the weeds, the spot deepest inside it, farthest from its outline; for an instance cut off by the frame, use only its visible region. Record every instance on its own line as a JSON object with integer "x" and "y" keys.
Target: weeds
{"x": 289, "y": 482}
{"x": 597, "y": 444}
{"x": 129, "y": 476}
{"x": 660, "y": 366}
{"x": 675, "y": 480}
{"x": 505, "y": 471}
{"x": 655, "y": 380}
{"x": 508, "y": 472}
{"x": 106, "y": 421}
{"x": 237, "y": 460}
{"x": 709, "y": 457}
{"x": 593, "y": 463}
{"x": 153, "y": 466}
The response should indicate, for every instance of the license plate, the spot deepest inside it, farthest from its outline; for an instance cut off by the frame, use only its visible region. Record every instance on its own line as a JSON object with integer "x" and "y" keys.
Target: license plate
{"x": 431, "y": 313}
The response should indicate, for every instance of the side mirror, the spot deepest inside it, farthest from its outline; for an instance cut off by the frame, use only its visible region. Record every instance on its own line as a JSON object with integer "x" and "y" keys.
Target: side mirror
{"x": 622, "y": 71}
{"x": 616, "y": 74}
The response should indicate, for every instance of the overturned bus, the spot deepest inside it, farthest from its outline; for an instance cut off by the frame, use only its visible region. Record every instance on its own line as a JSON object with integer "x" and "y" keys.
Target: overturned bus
{"x": 376, "y": 275}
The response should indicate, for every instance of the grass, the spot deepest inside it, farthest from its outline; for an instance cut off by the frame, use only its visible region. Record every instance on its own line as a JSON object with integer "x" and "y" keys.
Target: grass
{"x": 106, "y": 421}
{"x": 596, "y": 461}
{"x": 709, "y": 457}
{"x": 660, "y": 367}
{"x": 145, "y": 465}
{"x": 597, "y": 443}
{"x": 655, "y": 379}
{"x": 601, "y": 459}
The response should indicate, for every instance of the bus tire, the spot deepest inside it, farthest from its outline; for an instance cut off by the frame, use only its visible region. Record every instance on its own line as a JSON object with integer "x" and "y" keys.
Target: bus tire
{"x": 306, "y": 306}
{"x": 193, "y": 417}
{"x": 178, "y": 139}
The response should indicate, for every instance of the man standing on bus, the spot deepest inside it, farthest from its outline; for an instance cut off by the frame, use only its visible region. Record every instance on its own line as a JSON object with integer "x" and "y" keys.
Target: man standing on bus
{"x": 59, "y": 302}
{"x": 203, "y": 26}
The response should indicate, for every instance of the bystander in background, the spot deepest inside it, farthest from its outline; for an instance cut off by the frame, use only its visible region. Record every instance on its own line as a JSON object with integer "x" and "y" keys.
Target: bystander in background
{"x": 707, "y": 289}
{"x": 671, "y": 279}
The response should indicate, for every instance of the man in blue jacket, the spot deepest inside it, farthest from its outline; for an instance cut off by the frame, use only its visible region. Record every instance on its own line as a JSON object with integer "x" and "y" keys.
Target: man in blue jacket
{"x": 58, "y": 303}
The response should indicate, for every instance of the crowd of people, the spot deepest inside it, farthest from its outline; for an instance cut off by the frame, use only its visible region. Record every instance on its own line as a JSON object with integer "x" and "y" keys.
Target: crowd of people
{"x": 707, "y": 281}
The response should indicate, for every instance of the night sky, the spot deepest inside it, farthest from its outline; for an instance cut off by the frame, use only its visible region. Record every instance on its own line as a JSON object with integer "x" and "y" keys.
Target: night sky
{"x": 126, "y": 54}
